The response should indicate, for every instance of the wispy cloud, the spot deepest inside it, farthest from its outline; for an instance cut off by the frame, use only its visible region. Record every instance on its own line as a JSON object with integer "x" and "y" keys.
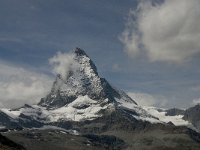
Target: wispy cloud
{"x": 145, "y": 99}
{"x": 116, "y": 67}
{"x": 63, "y": 63}
{"x": 167, "y": 31}
{"x": 10, "y": 39}
{"x": 196, "y": 101}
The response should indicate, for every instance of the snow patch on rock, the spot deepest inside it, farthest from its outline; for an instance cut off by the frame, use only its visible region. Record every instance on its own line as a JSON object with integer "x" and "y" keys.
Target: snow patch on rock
{"x": 83, "y": 108}
{"x": 71, "y": 112}
{"x": 176, "y": 120}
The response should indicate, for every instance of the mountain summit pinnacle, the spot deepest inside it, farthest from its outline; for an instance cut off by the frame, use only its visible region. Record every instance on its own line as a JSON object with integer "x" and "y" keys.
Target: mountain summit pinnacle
{"x": 82, "y": 81}
{"x": 79, "y": 51}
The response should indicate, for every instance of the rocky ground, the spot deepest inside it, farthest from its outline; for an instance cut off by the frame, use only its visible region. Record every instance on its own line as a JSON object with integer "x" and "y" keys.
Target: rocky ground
{"x": 154, "y": 139}
{"x": 7, "y": 144}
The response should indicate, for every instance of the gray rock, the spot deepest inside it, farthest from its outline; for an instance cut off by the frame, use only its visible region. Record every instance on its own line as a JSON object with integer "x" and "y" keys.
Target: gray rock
{"x": 193, "y": 115}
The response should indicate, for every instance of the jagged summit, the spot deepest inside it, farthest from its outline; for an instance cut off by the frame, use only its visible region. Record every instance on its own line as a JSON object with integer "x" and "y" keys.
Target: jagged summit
{"x": 82, "y": 80}
{"x": 82, "y": 58}
{"x": 79, "y": 52}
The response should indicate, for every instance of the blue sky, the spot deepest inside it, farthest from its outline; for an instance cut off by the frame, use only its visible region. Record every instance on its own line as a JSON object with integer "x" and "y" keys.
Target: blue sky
{"x": 165, "y": 75}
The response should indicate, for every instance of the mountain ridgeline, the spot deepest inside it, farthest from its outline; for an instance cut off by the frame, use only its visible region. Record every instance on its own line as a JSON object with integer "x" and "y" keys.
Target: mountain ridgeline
{"x": 83, "y": 106}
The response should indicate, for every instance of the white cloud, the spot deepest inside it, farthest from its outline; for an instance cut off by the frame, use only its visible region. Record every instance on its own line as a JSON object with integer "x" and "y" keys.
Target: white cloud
{"x": 145, "y": 99}
{"x": 169, "y": 31}
{"x": 63, "y": 63}
{"x": 19, "y": 85}
{"x": 196, "y": 101}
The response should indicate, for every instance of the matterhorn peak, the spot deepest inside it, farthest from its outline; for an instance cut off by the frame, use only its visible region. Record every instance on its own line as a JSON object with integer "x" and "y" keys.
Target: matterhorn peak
{"x": 79, "y": 52}
{"x": 81, "y": 81}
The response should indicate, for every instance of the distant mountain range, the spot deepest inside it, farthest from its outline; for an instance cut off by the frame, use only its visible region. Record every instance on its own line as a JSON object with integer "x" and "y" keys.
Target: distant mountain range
{"x": 84, "y": 104}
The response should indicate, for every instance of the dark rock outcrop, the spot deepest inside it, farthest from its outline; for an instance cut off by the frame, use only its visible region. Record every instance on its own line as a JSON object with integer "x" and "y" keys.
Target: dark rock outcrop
{"x": 193, "y": 115}
{"x": 7, "y": 144}
{"x": 174, "y": 112}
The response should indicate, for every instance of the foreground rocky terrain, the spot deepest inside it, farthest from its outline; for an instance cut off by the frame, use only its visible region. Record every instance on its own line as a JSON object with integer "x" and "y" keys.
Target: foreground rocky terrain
{"x": 7, "y": 144}
{"x": 166, "y": 138}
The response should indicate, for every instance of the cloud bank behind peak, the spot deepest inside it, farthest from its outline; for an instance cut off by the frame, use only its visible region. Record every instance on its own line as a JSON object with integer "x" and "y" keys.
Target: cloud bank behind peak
{"x": 21, "y": 85}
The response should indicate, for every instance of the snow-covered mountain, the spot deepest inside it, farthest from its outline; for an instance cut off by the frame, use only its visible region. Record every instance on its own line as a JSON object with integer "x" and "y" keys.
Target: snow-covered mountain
{"x": 83, "y": 95}
{"x": 82, "y": 80}
{"x": 83, "y": 111}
